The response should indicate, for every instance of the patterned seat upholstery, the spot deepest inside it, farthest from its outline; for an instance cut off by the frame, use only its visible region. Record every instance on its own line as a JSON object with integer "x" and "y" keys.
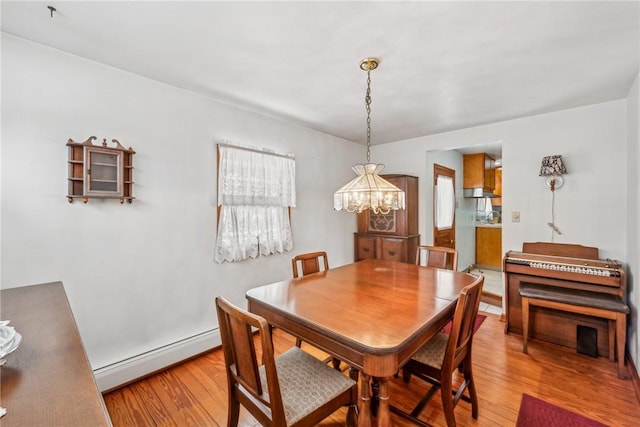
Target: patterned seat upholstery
{"x": 306, "y": 383}
{"x": 432, "y": 353}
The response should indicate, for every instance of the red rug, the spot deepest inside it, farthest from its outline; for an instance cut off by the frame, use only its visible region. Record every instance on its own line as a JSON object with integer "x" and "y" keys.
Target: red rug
{"x": 537, "y": 413}
{"x": 479, "y": 319}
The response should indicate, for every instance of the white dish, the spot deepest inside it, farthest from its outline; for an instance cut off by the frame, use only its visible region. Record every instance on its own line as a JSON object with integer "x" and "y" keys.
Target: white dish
{"x": 7, "y": 334}
{"x": 15, "y": 343}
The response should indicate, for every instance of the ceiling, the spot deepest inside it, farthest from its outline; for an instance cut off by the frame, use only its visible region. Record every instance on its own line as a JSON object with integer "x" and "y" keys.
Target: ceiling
{"x": 443, "y": 65}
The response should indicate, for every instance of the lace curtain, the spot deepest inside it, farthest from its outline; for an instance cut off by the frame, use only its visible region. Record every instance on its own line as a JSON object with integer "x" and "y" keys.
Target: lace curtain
{"x": 255, "y": 192}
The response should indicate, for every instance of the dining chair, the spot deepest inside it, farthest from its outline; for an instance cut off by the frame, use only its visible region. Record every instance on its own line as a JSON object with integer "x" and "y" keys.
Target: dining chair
{"x": 437, "y": 256}
{"x": 292, "y": 389}
{"x": 445, "y": 355}
{"x": 309, "y": 263}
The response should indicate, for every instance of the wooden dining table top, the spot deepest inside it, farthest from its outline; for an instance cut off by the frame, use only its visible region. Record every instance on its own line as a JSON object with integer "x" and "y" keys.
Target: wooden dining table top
{"x": 372, "y": 314}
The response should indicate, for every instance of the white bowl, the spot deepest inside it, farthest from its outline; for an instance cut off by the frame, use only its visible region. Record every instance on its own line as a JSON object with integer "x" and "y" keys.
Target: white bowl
{"x": 9, "y": 339}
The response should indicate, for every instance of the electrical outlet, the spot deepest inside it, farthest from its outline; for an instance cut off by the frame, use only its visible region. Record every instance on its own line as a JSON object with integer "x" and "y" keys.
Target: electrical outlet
{"x": 515, "y": 216}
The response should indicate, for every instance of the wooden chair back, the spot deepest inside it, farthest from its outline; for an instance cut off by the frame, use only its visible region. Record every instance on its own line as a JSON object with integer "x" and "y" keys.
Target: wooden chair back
{"x": 242, "y": 364}
{"x": 309, "y": 263}
{"x": 461, "y": 335}
{"x": 437, "y": 256}
{"x": 253, "y": 381}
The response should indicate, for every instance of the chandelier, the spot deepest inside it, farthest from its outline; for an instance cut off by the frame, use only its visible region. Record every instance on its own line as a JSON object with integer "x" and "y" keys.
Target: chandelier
{"x": 369, "y": 190}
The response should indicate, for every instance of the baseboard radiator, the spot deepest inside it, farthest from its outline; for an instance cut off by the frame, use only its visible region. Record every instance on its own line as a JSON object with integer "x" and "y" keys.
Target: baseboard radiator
{"x": 128, "y": 370}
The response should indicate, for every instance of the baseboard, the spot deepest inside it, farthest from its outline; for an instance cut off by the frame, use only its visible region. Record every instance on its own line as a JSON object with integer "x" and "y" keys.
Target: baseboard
{"x": 133, "y": 368}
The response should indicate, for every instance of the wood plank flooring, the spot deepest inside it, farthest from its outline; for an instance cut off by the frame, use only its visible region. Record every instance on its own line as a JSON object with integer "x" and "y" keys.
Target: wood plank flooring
{"x": 194, "y": 393}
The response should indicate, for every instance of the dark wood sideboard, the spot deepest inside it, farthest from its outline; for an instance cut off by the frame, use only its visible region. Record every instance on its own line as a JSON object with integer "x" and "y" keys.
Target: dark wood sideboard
{"x": 47, "y": 381}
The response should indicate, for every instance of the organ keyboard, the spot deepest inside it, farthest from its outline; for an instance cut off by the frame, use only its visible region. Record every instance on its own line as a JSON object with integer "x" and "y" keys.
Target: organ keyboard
{"x": 571, "y": 267}
{"x": 606, "y": 272}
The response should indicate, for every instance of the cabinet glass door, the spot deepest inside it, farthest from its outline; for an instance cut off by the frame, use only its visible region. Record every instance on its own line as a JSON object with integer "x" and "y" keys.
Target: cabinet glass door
{"x": 103, "y": 172}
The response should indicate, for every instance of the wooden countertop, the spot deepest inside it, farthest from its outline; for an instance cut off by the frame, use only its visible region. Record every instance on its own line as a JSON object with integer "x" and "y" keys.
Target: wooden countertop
{"x": 47, "y": 381}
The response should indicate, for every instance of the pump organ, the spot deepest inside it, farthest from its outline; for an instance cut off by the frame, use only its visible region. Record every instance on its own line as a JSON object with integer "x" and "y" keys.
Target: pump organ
{"x": 566, "y": 286}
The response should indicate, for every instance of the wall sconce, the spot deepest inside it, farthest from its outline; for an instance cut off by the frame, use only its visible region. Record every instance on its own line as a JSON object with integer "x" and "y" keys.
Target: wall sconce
{"x": 553, "y": 168}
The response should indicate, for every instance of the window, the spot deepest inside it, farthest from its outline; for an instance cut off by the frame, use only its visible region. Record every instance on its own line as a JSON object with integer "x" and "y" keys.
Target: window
{"x": 255, "y": 191}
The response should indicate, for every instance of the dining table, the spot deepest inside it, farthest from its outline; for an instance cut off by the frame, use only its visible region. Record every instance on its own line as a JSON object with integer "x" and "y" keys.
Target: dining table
{"x": 372, "y": 314}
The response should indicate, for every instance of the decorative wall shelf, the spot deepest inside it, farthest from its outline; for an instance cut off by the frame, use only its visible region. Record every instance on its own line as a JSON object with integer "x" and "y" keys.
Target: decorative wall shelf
{"x": 99, "y": 171}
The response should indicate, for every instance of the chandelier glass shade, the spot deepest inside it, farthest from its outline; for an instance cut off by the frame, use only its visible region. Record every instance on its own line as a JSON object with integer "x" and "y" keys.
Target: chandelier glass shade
{"x": 369, "y": 190}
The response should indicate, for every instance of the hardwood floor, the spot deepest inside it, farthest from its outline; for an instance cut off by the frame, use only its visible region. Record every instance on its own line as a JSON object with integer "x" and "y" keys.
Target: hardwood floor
{"x": 194, "y": 393}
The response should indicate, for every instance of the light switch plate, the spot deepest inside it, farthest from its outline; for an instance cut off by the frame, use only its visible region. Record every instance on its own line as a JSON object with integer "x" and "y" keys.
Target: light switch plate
{"x": 515, "y": 216}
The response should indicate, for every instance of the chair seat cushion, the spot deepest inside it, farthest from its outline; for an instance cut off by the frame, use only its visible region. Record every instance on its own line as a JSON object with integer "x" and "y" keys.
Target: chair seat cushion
{"x": 432, "y": 353}
{"x": 305, "y": 383}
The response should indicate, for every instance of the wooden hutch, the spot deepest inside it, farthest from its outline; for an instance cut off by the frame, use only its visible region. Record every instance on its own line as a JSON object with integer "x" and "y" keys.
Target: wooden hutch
{"x": 393, "y": 236}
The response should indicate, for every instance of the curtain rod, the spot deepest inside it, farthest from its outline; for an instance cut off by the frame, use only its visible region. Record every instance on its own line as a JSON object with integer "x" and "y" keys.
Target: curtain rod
{"x": 257, "y": 150}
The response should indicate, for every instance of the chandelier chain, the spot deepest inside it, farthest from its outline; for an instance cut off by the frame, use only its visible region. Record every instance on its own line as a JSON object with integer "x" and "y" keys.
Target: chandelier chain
{"x": 367, "y": 100}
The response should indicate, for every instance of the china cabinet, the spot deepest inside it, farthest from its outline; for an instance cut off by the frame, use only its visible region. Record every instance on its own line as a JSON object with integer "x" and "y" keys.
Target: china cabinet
{"x": 392, "y": 236}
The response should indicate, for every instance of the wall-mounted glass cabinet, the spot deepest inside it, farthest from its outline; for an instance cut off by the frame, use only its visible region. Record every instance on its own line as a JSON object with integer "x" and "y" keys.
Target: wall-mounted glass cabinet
{"x": 99, "y": 171}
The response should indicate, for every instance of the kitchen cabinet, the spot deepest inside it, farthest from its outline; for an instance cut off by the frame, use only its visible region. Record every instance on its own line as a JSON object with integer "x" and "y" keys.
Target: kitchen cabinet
{"x": 392, "y": 236}
{"x": 497, "y": 189}
{"x": 489, "y": 246}
{"x": 478, "y": 171}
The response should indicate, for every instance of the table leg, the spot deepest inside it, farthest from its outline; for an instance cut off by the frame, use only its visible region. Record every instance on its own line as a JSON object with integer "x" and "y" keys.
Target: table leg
{"x": 364, "y": 403}
{"x": 375, "y": 387}
{"x": 384, "y": 414}
{"x": 352, "y": 412}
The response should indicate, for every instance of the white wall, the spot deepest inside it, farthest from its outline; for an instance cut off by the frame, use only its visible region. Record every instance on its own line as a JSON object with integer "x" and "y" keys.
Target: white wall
{"x": 590, "y": 207}
{"x": 140, "y": 277}
{"x": 633, "y": 207}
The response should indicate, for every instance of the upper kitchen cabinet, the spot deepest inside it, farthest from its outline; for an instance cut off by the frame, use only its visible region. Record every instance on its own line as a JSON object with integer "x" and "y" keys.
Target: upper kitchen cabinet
{"x": 478, "y": 175}
{"x": 497, "y": 189}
